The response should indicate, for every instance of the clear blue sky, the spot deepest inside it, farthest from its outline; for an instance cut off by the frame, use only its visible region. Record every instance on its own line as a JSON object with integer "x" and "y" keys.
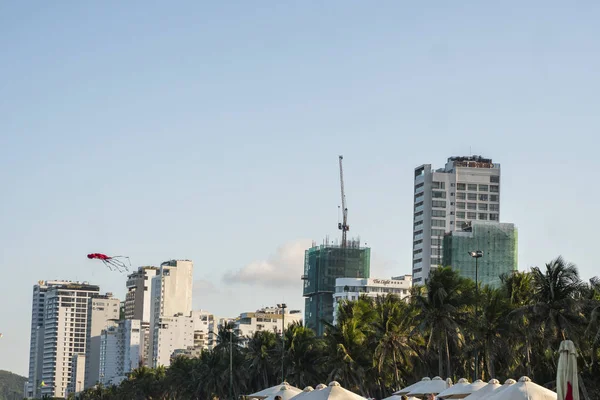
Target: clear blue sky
{"x": 211, "y": 131}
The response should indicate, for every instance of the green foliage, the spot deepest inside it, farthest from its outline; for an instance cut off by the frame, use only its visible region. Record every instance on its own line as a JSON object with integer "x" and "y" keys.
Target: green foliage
{"x": 11, "y": 385}
{"x": 382, "y": 344}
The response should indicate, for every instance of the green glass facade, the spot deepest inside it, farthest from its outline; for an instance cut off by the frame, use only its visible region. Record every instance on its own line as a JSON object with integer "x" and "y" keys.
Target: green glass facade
{"x": 322, "y": 265}
{"x": 498, "y": 241}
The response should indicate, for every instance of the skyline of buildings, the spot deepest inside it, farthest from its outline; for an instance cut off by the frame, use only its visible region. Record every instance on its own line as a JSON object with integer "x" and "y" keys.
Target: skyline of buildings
{"x": 80, "y": 337}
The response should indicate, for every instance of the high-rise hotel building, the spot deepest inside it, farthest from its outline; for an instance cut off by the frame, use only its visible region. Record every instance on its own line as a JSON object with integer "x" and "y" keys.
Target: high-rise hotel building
{"x": 466, "y": 189}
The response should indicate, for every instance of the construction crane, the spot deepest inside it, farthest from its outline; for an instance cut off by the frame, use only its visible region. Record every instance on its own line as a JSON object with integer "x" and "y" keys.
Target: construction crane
{"x": 343, "y": 226}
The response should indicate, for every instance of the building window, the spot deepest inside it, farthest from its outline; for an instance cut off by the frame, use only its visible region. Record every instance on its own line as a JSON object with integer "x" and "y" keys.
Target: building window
{"x": 494, "y": 207}
{"x": 438, "y": 222}
{"x": 460, "y": 186}
{"x": 418, "y": 232}
{"x": 483, "y": 197}
{"x": 418, "y": 223}
{"x": 418, "y": 196}
{"x": 483, "y": 188}
{"x": 438, "y": 185}
{"x": 438, "y": 213}
{"x": 438, "y": 204}
{"x": 418, "y": 242}
{"x": 483, "y": 206}
{"x": 420, "y": 185}
{"x": 460, "y": 206}
{"x": 460, "y": 214}
{"x": 493, "y": 217}
{"x": 471, "y": 206}
{"x": 494, "y": 179}
{"x": 494, "y": 188}
{"x": 418, "y": 214}
{"x": 493, "y": 197}
{"x": 471, "y": 215}
{"x": 418, "y": 260}
{"x": 452, "y": 184}
{"x": 436, "y": 242}
{"x": 483, "y": 216}
{"x": 472, "y": 187}
{"x": 437, "y": 232}
{"x": 417, "y": 205}
{"x": 461, "y": 195}
{"x": 436, "y": 194}
{"x": 472, "y": 196}
{"x": 417, "y": 252}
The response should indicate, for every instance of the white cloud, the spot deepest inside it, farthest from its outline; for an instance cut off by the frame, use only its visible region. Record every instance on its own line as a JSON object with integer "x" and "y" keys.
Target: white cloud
{"x": 283, "y": 268}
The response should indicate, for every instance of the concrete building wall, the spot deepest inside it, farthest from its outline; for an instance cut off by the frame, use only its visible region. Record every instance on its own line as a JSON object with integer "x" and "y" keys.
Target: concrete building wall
{"x": 172, "y": 333}
{"x": 265, "y": 319}
{"x": 138, "y": 303}
{"x": 101, "y": 311}
{"x": 111, "y": 354}
{"x": 171, "y": 296}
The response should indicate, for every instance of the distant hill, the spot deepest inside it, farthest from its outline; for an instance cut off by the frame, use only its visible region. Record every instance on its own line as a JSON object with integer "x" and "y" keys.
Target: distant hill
{"x": 11, "y": 386}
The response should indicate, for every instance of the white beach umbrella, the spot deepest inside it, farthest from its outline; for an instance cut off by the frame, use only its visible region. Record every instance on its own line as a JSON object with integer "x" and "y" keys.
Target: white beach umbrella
{"x": 413, "y": 386}
{"x": 435, "y": 386}
{"x": 303, "y": 393}
{"x": 286, "y": 392}
{"x": 333, "y": 391}
{"x": 461, "y": 389}
{"x": 508, "y": 383}
{"x": 486, "y": 390}
{"x": 567, "y": 384}
{"x": 454, "y": 390}
{"x": 525, "y": 390}
{"x": 263, "y": 394}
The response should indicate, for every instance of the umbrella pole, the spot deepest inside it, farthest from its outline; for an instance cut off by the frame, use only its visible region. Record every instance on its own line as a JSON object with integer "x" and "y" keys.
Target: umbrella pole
{"x": 582, "y": 388}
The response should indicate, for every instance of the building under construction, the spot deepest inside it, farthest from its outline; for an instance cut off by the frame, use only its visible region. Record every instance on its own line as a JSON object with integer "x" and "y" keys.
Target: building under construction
{"x": 322, "y": 265}
{"x": 497, "y": 241}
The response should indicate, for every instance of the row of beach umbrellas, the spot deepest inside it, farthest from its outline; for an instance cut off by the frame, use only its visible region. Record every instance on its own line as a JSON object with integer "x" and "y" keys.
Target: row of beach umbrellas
{"x": 524, "y": 389}
{"x": 333, "y": 391}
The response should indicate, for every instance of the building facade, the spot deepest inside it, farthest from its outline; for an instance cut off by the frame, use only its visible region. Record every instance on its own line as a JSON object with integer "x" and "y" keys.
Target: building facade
{"x": 76, "y": 384}
{"x": 350, "y": 289}
{"x": 322, "y": 266}
{"x": 173, "y": 333}
{"x": 138, "y": 298}
{"x": 497, "y": 241}
{"x": 36, "y": 344}
{"x": 466, "y": 189}
{"x": 121, "y": 350}
{"x": 65, "y": 333}
{"x": 266, "y": 319}
{"x": 171, "y": 298}
{"x": 102, "y": 311}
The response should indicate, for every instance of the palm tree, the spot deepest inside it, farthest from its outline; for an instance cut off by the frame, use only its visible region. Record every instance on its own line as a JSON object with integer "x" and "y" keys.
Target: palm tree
{"x": 395, "y": 346}
{"x": 557, "y": 300}
{"x": 350, "y": 359}
{"x": 261, "y": 359}
{"x": 305, "y": 356}
{"x": 442, "y": 311}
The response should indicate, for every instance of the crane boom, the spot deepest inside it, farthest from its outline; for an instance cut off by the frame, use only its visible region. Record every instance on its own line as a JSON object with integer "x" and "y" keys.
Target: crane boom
{"x": 343, "y": 226}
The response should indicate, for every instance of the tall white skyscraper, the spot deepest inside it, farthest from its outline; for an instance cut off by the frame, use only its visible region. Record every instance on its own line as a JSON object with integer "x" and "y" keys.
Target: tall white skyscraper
{"x": 102, "y": 310}
{"x": 36, "y": 346}
{"x": 466, "y": 189}
{"x": 171, "y": 297}
{"x": 139, "y": 290}
{"x": 64, "y": 326}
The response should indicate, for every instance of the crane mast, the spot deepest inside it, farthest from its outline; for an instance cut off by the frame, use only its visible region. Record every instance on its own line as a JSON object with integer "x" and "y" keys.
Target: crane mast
{"x": 343, "y": 226}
